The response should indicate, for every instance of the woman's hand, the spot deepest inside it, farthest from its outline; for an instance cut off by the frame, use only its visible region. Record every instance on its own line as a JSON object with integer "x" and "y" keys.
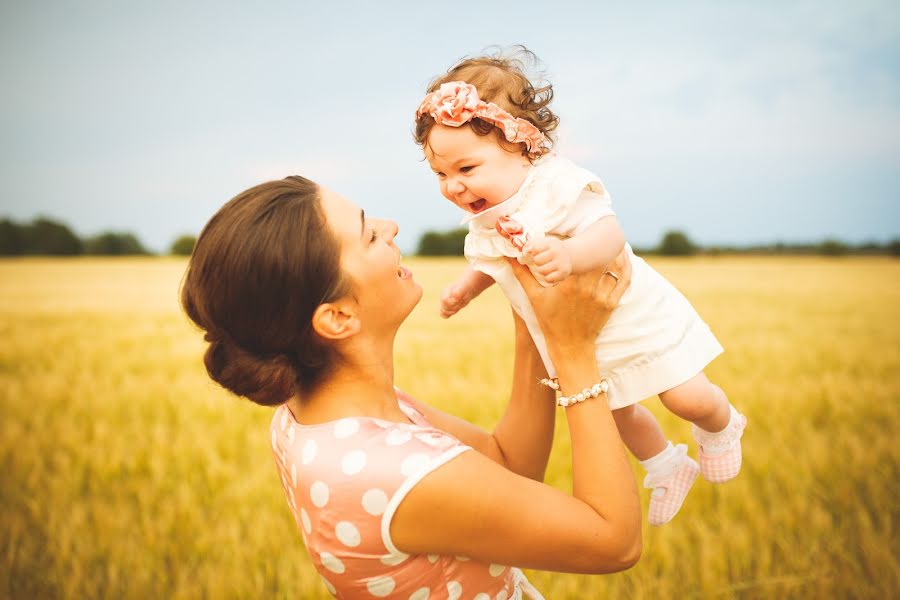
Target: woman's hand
{"x": 572, "y": 313}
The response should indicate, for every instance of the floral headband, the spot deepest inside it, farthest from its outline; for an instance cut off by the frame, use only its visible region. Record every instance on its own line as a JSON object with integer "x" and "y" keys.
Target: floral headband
{"x": 457, "y": 102}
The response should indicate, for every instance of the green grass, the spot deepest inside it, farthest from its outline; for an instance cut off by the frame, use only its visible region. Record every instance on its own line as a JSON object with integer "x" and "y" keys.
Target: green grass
{"x": 127, "y": 474}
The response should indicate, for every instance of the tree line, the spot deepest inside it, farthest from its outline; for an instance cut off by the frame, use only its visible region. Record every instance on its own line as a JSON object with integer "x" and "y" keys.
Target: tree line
{"x": 44, "y": 236}
{"x": 678, "y": 243}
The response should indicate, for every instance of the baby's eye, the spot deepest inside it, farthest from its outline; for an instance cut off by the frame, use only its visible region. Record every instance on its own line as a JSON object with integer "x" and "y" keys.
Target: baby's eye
{"x": 374, "y": 236}
{"x": 466, "y": 169}
{"x": 439, "y": 174}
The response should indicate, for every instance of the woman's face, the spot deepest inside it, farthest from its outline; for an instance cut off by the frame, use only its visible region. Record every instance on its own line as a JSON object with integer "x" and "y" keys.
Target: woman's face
{"x": 384, "y": 290}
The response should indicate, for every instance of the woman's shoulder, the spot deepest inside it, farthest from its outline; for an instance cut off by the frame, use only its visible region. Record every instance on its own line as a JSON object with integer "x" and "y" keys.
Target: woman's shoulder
{"x": 360, "y": 451}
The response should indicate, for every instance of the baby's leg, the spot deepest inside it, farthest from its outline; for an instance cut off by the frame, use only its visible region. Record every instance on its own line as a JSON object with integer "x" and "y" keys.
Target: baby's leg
{"x": 670, "y": 473}
{"x": 699, "y": 401}
{"x": 640, "y": 431}
{"x": 718, "y": 426}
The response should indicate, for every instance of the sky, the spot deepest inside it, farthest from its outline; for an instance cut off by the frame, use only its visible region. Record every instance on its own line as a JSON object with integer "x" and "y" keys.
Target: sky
{"x": 736, "y": 122}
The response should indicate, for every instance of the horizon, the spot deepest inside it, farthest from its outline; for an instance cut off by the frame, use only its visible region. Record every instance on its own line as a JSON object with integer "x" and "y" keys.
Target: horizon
{"x": 750, "y": 124}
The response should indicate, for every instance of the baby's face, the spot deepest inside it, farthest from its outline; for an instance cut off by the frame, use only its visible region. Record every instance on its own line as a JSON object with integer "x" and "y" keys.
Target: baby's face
{"x": 474, "y": 171}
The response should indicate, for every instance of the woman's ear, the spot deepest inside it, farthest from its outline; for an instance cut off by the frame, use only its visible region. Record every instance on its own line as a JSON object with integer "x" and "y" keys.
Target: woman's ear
{"x": 336, "y": 320}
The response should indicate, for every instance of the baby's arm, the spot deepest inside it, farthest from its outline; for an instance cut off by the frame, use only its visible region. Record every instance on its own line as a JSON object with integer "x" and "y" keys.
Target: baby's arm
{"x": 464, "y": 290}
{"x": 596, "y": 246}
{"x": 593, "y": 248}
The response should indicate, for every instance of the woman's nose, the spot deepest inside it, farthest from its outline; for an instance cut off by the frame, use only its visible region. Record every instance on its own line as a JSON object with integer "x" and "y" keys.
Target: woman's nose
{"x": 391, "y": 228}
{"x": 388, "y": 229}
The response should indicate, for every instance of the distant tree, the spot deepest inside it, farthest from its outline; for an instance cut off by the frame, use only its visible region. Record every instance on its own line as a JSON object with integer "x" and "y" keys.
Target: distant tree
{"x": 443, "y": 243}
{"x": 893, "y": 247}
{"x": 833, "y": 247}
{"x": 45, "y": 236}
{"x": 183, "y": 246}
{"x": 12, "y": 238}
{"x": 676, "y": 243}
{"x": 111, "y": 243}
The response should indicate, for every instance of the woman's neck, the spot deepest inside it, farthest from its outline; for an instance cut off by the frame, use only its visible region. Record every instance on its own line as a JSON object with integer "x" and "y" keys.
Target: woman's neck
{"x": 362, "y": 384}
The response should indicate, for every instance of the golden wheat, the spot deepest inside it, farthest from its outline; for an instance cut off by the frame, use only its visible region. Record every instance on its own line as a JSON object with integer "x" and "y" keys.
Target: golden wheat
{"x": 127, "y": 474}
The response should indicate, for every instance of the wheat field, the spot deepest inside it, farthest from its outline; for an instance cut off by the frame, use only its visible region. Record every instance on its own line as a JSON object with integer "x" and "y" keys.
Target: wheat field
{"x": 127, "y": 474}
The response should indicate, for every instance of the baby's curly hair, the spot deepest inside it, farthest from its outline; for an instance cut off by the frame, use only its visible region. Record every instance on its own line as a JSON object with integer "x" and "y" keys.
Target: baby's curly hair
{"x": 500, "y": 78}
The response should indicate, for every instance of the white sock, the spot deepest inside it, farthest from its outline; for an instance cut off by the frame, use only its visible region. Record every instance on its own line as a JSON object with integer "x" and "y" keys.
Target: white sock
{"x": 664, "y": 462}
{"x": 717, "y": 442}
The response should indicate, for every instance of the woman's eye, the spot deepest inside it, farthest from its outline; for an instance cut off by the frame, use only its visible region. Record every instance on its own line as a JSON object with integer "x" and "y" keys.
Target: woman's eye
{"x": 466, "y": 169}
{"x": 374, "y": 236}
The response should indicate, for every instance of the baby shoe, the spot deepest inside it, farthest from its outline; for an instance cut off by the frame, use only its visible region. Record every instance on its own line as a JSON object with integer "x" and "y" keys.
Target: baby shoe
{"x": 670, "y": 488}
{"x": 720, "y": 452}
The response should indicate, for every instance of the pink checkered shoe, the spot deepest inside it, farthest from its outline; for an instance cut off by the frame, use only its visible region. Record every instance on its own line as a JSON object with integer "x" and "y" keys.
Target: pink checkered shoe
{"x": 670, "y": 489}
{"x": 720, "y": 452}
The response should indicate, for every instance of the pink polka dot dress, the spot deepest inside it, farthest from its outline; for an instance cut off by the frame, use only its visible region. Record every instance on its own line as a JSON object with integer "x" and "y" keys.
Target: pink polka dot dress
{"x": 344, "y": 481}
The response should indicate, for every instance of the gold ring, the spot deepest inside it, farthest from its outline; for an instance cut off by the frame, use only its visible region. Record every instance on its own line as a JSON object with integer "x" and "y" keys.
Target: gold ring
{"x": 614, "y": 276}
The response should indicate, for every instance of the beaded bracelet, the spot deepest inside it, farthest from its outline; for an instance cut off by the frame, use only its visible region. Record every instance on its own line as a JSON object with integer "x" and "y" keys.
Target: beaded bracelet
{"x": 553, "y": 383}
{"x": 588, "y": 392}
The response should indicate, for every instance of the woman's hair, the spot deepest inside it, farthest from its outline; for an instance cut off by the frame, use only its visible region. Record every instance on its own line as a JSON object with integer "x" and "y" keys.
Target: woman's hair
{"x": 260, "y": 268}
{"x": 499, "y": 78}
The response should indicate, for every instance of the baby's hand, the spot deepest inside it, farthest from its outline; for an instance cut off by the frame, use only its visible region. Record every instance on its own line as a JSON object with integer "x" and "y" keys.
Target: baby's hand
{"x": 454, "y": 297}
{"x": 550, "y": 257}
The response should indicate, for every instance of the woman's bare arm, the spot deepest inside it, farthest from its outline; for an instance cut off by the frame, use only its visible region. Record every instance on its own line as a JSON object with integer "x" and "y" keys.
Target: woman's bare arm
{"x": 473, "y": 506}
{"x": 521, "y": 440}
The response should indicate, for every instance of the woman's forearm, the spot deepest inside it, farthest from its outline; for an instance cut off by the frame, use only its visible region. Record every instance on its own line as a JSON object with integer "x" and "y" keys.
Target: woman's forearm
{"x": 601, "y": 475}
{"x": 524, "y": 434}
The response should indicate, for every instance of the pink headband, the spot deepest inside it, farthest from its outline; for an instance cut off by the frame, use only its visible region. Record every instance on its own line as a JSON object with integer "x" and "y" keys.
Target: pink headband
{"x": 457, "y": 102}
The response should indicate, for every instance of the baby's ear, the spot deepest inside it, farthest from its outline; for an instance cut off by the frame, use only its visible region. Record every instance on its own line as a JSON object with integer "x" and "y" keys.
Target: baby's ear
{"x": 336, "y": 320}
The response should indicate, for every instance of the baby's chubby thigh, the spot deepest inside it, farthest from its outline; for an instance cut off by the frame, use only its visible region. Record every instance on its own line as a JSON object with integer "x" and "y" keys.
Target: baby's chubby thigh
{"x": 698, "y": 400}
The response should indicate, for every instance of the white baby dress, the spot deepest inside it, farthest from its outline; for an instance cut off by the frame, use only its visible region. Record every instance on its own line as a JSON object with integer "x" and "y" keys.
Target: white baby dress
{"x": 653, "y": 341}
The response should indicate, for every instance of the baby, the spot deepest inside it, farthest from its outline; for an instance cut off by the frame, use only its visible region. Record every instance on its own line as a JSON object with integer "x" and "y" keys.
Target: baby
{"x": 484, "y": 129}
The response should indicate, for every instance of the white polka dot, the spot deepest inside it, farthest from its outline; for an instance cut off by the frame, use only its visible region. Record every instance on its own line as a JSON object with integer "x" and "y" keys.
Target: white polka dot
{"x": 318, "y": 493}
{"x": 414, "y": 463}
{"x": 501, "y": 595}
{"x": 291, "y": 434}
{"x": 331, "y": 562}
{"x": 495, "y": 570}
{"x": 294, "y": 474}
{"x": 396, "y": 437}
{"x": 283, "y": 419}
{"x": 381, "y": 587}
{"x": 374, "y": 501}
{"x": 420, "y": 594}
{"x": 347, "y": 533}
{"x": 432, "y": 558}
{"x": 274, "y": 441}
{"x": 353, "y": 462}
{"x": 345, "y": 428}
{"x": 482, "y": 596}
{"x": 310, "y": 448}
{"x": 382, "y": 424}
{"x": 393, "y": 560}
{"x": 461, "y": 558}
{"x": 454, "y": 590}
{"x": 432, "y": 439}
{"x": 304, "y": 518}
{"x": 329, "y": 587}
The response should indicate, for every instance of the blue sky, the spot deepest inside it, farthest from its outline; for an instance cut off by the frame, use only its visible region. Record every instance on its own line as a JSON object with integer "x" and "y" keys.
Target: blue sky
{"x": 738, "y": 122}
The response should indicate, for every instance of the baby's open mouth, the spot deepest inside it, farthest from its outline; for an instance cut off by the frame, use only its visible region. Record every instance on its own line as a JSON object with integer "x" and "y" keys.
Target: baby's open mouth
{"x": 478, "y": 205}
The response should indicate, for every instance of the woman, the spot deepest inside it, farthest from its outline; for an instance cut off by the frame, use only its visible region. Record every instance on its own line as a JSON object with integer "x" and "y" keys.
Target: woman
{"x": 301, "y": 296}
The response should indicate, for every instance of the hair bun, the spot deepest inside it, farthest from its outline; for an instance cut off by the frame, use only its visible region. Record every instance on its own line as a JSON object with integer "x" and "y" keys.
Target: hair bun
{"x": 269, "y": 381}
